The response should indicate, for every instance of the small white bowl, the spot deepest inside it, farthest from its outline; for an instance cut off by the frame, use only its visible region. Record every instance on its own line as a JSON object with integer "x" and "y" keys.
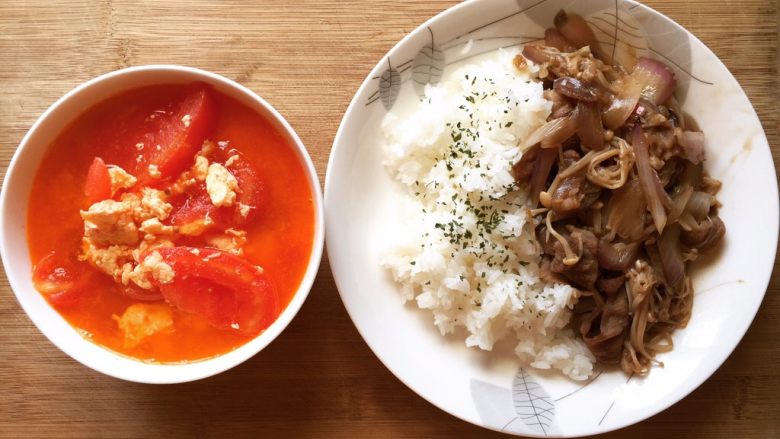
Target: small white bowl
{"x": 13, "y": 241}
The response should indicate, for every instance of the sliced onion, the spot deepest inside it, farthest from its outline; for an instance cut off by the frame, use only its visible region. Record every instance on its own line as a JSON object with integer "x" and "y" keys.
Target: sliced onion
{"x": 553, "y": 133}
{"x": 542, "y": 166}
{"x": 666, "y": 200}
{"x": 671, "y": 258}
{"x": 535, "y": 54}
{"x": 563, "y": 110}
{"x": 554, "y": 38}
{"x": 656, "y": 79}
{"x": 561, "y": 105}
{"x": 676, "y": 110}
{"x": 669, "y": 170}
{"x": 708, "y": 235}
{"x": 648, "y": 179}
{"x": 627, "y": 92}
{"x": 617, "y": 256}
{"x": 680, "y": 197}
{"x": 655, "y": 262}
{"x": 576, "y": 89}
{"x": 626, "y": 211}
{"x": 699, "y": 205}
{"x": 576, "y": 30}
{"x": 692, "y": 143}
{"x": 589, "y": 128}
{"x": 646, "y": 107}
{"x": 687, "y": 222}
{"x": 523, "y": 169}
{"x": 692, "y": 174}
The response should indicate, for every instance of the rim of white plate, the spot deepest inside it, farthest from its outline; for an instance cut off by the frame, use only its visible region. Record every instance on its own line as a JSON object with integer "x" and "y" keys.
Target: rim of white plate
{"x": 772, "y": 209}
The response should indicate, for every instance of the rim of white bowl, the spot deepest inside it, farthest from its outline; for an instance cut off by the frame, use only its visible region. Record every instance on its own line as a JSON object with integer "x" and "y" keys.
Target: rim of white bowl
{"x": 773, "y": 209}
{"x": 140, "y": 371}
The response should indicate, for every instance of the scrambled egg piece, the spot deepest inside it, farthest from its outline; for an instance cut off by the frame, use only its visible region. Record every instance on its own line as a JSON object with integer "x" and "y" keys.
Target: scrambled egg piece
{"x": 110, "y": 222}
{"x": 112, "y": 237}
{"x": 201, "y": 168}
{"x": 120, "y": 179}
{"x": 152, "y": 266}
{"x": 117, "y": 233}
{"x": 195, "y": 174}
{"x": 244, "y": 209}
{"x": 232, "y": 241}
{"x": 221, "y": 185}
{"x": 153, "y": 228}
{"x": 109, "y": 260}
{"x": 154, "y": 171}
{"x": 183, "y": 183}
{"x": 142, "y": 320}
{"x": 197, "y": 227}
{"x": 160, "y": 271}
{"x": 147, "y": 246}
{"x": 153, "y": 205}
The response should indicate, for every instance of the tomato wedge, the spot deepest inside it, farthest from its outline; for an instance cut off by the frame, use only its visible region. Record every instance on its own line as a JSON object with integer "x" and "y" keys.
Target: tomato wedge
{"x": 98, "y": 184}
{"x": 252, "y": 192}
{"x": 226, "y": 290}
{"x": 195, "y": 205}
{"x": 138, "y": 293}
{"x": 176, "y": 136}
{"x": 60, "y": 279}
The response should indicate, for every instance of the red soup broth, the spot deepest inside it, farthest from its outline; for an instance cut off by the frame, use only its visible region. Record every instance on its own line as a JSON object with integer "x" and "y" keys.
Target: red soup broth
{"x": 279, "y": 238}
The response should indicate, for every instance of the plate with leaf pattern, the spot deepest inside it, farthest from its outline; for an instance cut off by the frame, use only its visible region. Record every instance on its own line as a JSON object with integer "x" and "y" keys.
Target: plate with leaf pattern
{"x": 493, "y": 389}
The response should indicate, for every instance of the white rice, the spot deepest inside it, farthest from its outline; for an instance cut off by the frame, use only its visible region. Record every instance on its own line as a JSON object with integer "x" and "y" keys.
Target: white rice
{"x": 468, "y": 252}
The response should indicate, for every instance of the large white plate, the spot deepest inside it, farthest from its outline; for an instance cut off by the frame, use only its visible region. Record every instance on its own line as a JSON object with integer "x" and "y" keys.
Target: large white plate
{"x": 490, "y": 388}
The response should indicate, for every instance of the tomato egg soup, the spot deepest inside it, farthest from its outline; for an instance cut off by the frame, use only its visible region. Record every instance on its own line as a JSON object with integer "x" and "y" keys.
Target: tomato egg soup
{"x": 170, "y": 223}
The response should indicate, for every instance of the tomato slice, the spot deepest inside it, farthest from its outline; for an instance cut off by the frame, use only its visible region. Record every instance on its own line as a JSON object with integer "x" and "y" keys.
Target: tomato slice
{"x": 138, "y": 293}
{"x": 252, "y": 192}
{"x": 226, "y": 290}
{"x": 60, "y": 279}
{"x": 195, "y": 204}
{"x": 179, "y": 133}
{"x": 98, "y": 184}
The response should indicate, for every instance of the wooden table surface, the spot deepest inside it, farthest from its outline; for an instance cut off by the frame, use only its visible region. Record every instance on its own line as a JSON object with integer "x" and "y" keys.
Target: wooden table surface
{"x": 319, "y": 379}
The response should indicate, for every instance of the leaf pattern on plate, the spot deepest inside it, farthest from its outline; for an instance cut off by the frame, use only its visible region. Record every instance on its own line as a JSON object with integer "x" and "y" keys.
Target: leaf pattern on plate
{"x": 389, "y": 86}
{"x": 494, "y": 405}
{"x": 428, "y": 66}
{"x": 620, "y": 33}
{"x": 532, "y": 403}
{"x": 527, "y": 406}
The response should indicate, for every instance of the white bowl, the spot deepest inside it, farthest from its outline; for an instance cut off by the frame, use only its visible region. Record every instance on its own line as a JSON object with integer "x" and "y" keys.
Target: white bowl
{"x": 13, "y": 244}
{"x": 362, "y": 215}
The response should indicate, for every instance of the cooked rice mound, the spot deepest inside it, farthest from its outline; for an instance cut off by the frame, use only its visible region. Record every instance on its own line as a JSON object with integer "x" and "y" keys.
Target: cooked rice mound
{"x": 466, "y": 250}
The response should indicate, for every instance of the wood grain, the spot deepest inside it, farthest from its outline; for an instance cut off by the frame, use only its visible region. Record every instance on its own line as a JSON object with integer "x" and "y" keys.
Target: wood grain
{"x": 319, "y": 379}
